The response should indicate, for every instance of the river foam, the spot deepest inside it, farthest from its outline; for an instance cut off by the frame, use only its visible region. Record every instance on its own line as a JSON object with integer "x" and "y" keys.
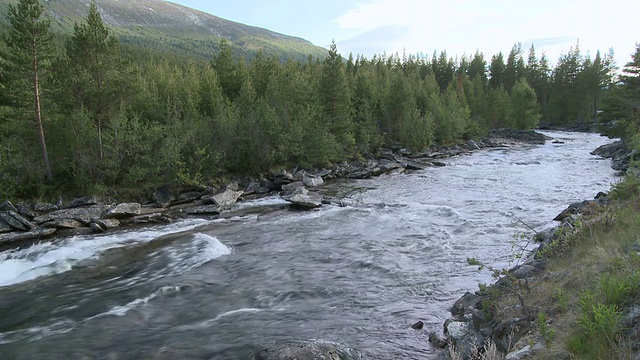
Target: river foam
{"x": 48, "y": 258}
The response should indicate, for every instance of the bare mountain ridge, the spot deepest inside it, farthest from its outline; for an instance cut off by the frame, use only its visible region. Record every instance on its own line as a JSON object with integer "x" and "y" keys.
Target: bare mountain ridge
{"x": 172, "y": 27}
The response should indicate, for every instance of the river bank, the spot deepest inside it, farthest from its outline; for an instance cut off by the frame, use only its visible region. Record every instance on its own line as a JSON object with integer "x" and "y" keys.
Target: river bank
{"x": 27, "y": 222}
{"x": 265, "y": 273}
{"x": 554, "y": 303}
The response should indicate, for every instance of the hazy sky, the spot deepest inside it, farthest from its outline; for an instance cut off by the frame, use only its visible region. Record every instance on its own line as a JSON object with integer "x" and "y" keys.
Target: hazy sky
{"x": 460, "y": 27}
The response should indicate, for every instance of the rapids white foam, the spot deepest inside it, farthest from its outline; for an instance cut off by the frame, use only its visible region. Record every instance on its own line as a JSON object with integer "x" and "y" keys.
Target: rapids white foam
{"x": 17, "y": 266}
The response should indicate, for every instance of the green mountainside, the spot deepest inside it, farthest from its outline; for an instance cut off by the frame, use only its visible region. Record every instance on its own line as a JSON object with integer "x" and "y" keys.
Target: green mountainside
{"x": 165, "y": 26}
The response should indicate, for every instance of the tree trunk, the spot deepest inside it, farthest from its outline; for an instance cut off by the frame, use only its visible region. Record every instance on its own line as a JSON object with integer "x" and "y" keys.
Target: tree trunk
{"x": 36, "y": 91}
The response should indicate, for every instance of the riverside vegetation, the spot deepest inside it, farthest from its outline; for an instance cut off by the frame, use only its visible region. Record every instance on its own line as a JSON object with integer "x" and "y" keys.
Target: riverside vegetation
{"x": 578, "y": 294}
{"x": 119, "y": 120}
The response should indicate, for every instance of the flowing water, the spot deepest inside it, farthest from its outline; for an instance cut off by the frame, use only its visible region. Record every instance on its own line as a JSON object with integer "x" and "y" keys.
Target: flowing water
{"x": 358, "y": 275}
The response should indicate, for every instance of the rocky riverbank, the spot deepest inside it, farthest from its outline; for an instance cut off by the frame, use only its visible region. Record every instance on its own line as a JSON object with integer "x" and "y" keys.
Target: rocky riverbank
{"x": 23, "y": 223}
{"x": 482, "y": 324}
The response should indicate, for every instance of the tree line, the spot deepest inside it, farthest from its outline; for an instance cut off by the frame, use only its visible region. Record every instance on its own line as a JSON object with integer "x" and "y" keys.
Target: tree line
{"x": 86, "y": 114}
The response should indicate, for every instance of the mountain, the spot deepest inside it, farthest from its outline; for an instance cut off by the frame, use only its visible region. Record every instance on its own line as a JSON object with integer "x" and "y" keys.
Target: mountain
{"x": 167, "y": 26}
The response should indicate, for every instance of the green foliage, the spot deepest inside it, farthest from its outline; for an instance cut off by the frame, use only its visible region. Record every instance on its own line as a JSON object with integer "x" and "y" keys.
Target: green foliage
{"x": 548, "y": 334}
{"x": 124, "y": 116}
{"x": 562, "y": 298}
{"x": 524, "y": 106}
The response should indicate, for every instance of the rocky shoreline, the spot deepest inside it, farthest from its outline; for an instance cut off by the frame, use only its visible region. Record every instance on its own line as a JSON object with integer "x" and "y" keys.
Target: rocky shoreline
{"x": 477, "y": 327}
{"x": 25, "y": 223}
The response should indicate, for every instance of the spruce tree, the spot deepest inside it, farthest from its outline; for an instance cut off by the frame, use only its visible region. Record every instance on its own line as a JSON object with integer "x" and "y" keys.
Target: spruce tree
{"x": 96, "y": 75}
{"x": 28, "y": 58}
{"x": 334, "y": 98}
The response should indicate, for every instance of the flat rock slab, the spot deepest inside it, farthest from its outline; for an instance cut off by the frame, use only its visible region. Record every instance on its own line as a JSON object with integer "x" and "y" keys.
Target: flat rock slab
{"x": 88, "y": 212}
{"x": 123, "y": 210}
{"x": 302, "y": 198}
{"x": 298, "y": 350}
{"x": 31, "y": 235}
{"x": 205, "y": 210}
{"x": 16, "y": 220}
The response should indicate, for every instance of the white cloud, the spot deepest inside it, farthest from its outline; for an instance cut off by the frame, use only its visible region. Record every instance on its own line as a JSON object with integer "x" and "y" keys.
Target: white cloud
{"x": 462, "y": 26}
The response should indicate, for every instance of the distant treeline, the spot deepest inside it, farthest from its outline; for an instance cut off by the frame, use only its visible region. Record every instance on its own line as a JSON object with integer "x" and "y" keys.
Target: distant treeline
{"x": 116, "y": 117}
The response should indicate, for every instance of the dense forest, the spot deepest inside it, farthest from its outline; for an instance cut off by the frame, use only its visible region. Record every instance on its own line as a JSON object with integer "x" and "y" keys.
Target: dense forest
{"x": 85, "y": 114}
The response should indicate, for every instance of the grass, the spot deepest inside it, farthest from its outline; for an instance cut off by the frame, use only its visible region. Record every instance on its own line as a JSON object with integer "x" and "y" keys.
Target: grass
{"x": 591, "y": 282}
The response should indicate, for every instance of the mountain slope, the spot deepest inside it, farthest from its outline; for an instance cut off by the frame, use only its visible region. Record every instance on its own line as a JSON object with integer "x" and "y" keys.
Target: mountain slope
{"x": 171, "y": 27}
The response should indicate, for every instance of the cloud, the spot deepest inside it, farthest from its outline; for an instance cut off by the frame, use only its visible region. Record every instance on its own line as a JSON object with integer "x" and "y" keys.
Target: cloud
{"x": 375, "y": 41}
{"x": 464, "y": 26}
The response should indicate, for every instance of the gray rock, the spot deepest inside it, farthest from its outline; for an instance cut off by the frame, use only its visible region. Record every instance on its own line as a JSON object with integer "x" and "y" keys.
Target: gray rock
{"x": 301, "y": 350}
{"x": 438, "y": 164}
{"x": 123, "y": 210}
{"x": 24, "y": 236}
{"x": 88, "y": 212}
{"x": 154, "y": 218}
{"x": 302, "y": 198}
{"x": 292, "y": 186}
{"x": 96, "y": 228}
{"x": 16, "y": 220}
{"x": 64, "y": 224}
{"x": 520, "y": 354}
{"x": 83, "y": 201}
{"x": 7, "y": 206}
{"x": 187, "y": 197}
{"x": 45, "y": 207}
{"x": 473, "y": 145}
{"x": 312, "y": 180}
{"x": 4, "y": 227}
{"x": 106, "y": 223}
{"x": 525, "y": 271}
{"x": 224, "y": 198}
{"x": 464, "y": 337}
{"x": 468, "y": 300}
{"x": 163, "y": 197}
{"x": 24, "y": 210}
{"x": 205, "y": 210}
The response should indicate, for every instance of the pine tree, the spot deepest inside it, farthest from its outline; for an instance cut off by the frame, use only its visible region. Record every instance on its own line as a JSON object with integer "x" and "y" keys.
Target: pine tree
{"x": 29, "y": 54}
{"x": 96, "y": 75}
{"x": 334, "y": 98}
{"x": 524, "y": 106}
{"x": 496, "y": 71}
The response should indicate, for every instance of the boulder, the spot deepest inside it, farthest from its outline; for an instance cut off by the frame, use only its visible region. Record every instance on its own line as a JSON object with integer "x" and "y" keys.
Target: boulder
{"x": 96, "y": 228}
{"x": 24, "y": 236}
{"x": 468, "y": 300}
{"x": 302, "y": 198}
{"x": 292, "y": 186}
{"x": 464, "y": 337}
{"x": 205, "y": 210}
{"x": 106, "y": 223}
{"x": 7, "y": 206}
{"x": 312, "y": 180}
{"x": 224, "y": 198}
{"x": 83, "y": 201}
{"x": 123, "y": 210}
{"x": 187, "y": 197}
{"x": 45, "y": 207}
{"x": 4, "y": 227}
{"x": 87, "y": 213}
{"x": 254, "y": 187}
{"x": 303, "y": 350}
{"x": 153, "y": 218}
{"x": 16, "y": 220}
{"x": 64, "y": 224}
{"x": 24, "y": 210}
{"x": 163, "y": 197}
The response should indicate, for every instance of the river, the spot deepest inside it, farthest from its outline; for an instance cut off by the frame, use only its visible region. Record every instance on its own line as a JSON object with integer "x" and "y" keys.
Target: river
{"x": 358, "y": 275}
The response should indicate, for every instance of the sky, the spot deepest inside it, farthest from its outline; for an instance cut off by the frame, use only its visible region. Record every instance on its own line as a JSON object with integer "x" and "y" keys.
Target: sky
{"x": 459, "y": 27}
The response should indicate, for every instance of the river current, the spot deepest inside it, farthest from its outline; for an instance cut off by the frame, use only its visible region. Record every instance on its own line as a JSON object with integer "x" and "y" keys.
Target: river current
{"x": 358, "y": 275}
